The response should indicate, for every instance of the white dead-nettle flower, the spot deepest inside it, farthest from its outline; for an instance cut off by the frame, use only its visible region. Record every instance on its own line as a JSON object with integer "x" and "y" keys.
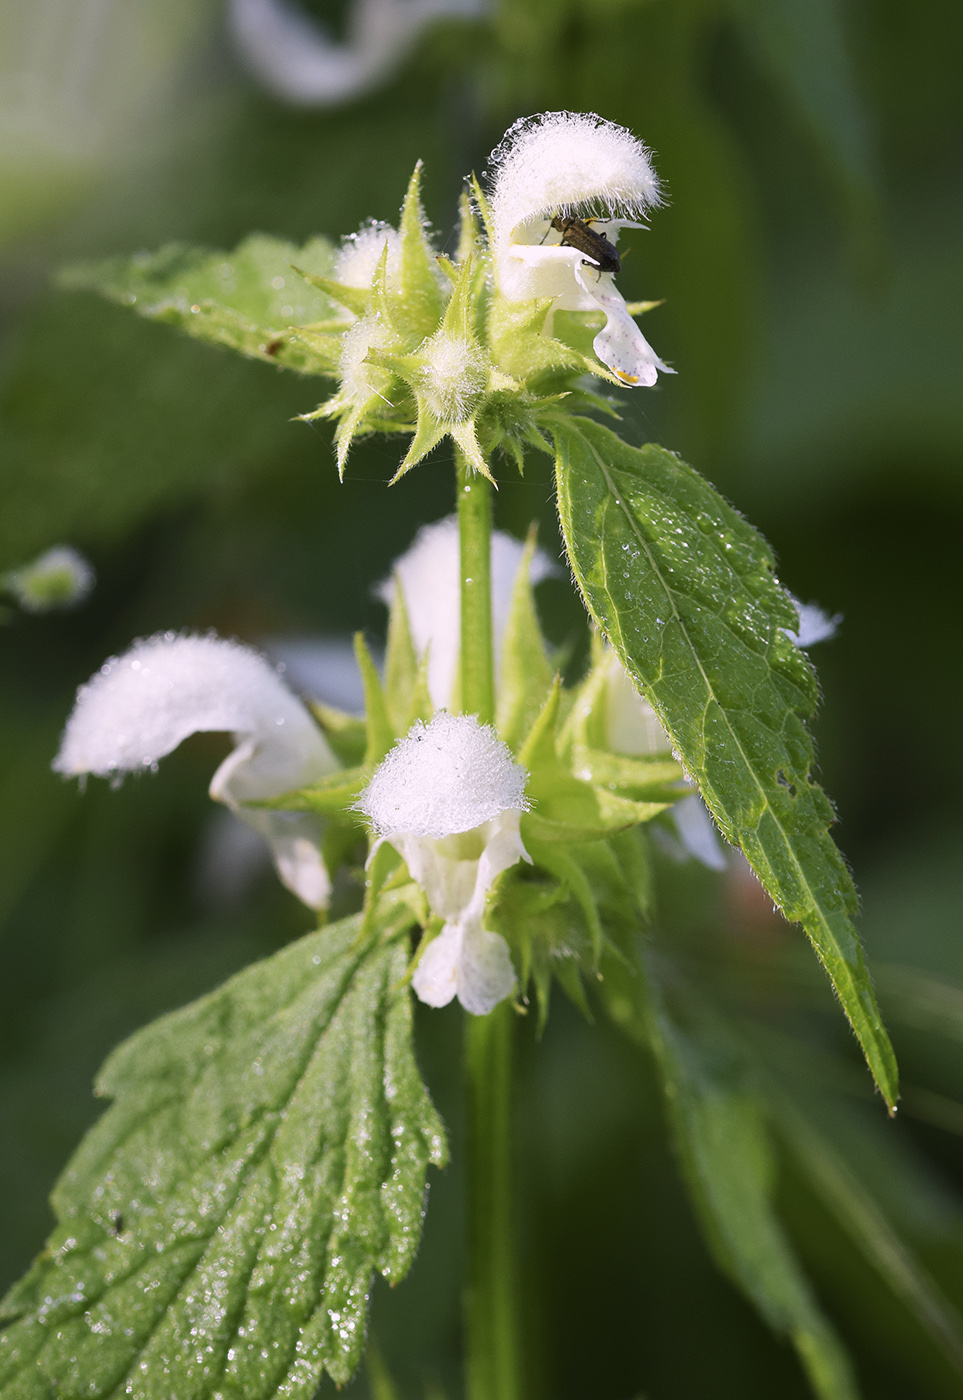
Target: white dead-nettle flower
{"x": 814, "y": 625}
{"x": 453, "y": 376}
{"x": 140, "y": 706}
{"x": 59, "y": 578}
{"x": 633, "y": 728}
{"x": 449, "y": 798}
{"x": 630, "y": 721}
{"x": 361, "y": 380}
{"x": 563, "y": 166}
{"x": 300, "y": 62}
{"x": 429, "y": 574}
{"x": 361, "y": 252}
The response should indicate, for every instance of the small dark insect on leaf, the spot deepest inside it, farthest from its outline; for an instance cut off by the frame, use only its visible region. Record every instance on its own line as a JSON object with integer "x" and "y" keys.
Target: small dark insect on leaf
{"x": 577, "y": 234}
{"x": 117, "y": 1222}
{"x": 273, "y": 347}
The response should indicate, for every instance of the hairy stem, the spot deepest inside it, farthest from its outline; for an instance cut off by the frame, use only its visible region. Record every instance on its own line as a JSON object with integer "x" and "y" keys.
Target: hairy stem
{"x": 492, "y": 1361}
{"x": 493, "y": 1369}
{"x": 475, "y": 534}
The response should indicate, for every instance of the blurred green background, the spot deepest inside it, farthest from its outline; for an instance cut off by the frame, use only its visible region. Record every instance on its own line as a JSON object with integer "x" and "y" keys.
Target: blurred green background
{"x": 811, "y": 262}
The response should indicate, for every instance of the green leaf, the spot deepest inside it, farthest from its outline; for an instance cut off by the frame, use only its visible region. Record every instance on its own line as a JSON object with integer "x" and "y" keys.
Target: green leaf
{"x": 526, "y": 675}
{"x": 331, "y": 796}
{"x": 251, "y": 300}
{"x": 684, "y": 590}
{"x": 723, "y": 1143}
{"x": 219, "y": 1227}
{"x": 347, "y": 734}
{"x": 401, "y": 665}
{"x": 381, "y": 736}
{"x": 418, "y": 310}
{"x": 858, "y": 1214}
{"x": 565, "y": 808}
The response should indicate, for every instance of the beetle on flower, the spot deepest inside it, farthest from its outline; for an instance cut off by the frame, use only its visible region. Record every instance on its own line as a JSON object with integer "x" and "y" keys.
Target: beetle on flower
{"x": 557, "y": 173}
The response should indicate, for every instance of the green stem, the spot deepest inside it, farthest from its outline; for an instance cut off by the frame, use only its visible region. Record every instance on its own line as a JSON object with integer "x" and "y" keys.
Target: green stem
{"x": 492, "y": 1350}
{"x": 493, "y": 1369}
{"x": 475, "y": 534}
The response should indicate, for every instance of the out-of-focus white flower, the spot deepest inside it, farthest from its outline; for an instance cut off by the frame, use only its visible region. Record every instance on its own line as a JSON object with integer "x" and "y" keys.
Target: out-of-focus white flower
{"x": 449, "y": 798}
{"x": 322, "y": 668}
{"x": 295, "y": 58}
{"x": 697, "y": 832}
{"x": 562, "y": 165}
{"x": 631, "y": 723}
{"x": 140, "y": 706}
{"x": 59, "y": 578}
{"x": 633, "y": 728}
{"x": 814, "y": 625}
{"x": 430, "y": 573}
{"x": 361, "y": 252}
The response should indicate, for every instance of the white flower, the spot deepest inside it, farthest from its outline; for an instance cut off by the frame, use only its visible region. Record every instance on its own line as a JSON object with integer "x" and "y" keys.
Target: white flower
{"x": 453, "y": 376}
{"x": 59, "y": 578}
{"x": 357, "y": 262}
{"x": 361, "y": 379}
{"x": 296, "y": 59}
{"x": 562, "y": 165}
{"x": 430, "y": 573}
{"x": 633, "y": 728}
{"x": 814, "y": 625}
{"x": 449, "y": 798}
{"x": 140, "y": 706}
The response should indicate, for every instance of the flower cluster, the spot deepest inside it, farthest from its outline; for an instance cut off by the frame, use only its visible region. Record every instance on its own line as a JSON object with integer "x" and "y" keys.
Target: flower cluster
{"x": 517, "y": 847}
{"x": 474, "y": 348}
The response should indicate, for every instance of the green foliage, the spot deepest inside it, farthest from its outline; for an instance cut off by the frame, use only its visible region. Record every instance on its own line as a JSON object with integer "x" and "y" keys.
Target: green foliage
{"x": 264, "y": 1155}
{"x": 247, "y": 300}
{"x": 724, "y": 1144}
{"x": 526, "y": 674}
{"x": 684, "y": 590}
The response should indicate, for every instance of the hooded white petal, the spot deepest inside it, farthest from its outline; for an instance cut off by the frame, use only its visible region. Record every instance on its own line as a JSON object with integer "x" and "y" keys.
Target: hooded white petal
{"x": 569, "y": 163}
{"x": 429, "y": 573}
{"x": 361, "y": 252}
{"x": 140, "y": 706}
{"x": 300, "y": 62}
{"x": 814, "y": 625}
{"x": 449, "y": 798}
{"x": 442, "y": 779}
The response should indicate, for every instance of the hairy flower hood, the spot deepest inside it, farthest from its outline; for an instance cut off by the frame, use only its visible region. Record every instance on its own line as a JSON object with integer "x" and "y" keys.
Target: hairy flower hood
{"x": 569, "y": 163}
{"x": 572, "y": 164}
{"x": 449, "y": 797}
{"x": 140, "y": 706}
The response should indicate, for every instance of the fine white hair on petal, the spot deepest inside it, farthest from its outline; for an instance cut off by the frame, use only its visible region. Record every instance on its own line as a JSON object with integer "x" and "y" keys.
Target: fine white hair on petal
{"x": 453, "y": 376}
{"x": 362, "y": 380}
{"x": 140, "y": 706}
{"x": 443, "y": 778}
{"x": 357, "y": 262}
{"x": 429, "y": 573}
{"x": 569, "y": 163}
{"x": 814, "y": 625}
